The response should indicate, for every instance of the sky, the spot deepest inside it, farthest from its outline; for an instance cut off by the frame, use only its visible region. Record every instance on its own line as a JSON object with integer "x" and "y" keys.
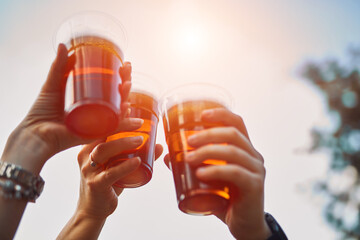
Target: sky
{"x": 254, "y": 49}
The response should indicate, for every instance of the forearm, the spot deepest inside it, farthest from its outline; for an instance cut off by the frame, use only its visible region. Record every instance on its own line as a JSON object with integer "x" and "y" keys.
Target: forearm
{"x": 27, "y": 152}
{"x": 11, "y": 211}
{"x": 81, "y": 226}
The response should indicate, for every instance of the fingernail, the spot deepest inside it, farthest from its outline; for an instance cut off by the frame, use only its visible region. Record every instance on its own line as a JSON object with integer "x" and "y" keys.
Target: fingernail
{"x": 128, "y": 112}
{"x": 192, "y": 139}
{"x": 190, "y": 156}
{"x": 138, "y": 121}
{"x": 127, "y": 105}
{"x": 136, "y": 161}
{"x": 126, "y": 64}
{"x": 201, "y": 171}
{"x": 207, "y": 113}
{"x": 59, "y": 49}
{"x": 138, "y": 139}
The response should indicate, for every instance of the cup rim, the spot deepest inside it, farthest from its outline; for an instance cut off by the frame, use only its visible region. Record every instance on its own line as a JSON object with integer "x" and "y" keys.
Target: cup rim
{"x": 229, "y": 102}
{"x": 91, "y": 12}
{"x": 155, "y": 94}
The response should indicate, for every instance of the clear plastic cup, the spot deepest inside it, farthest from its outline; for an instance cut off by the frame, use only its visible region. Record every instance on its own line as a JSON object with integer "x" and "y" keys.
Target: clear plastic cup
{"x": 143, "y": 100}
{"x": 181, "y": 113}
{"x": 95, "y": 43}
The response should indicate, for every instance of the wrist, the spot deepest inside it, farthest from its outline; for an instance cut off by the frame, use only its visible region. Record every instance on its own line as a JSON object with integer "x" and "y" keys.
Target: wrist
{"x": 82, "y": 226}
{"x": 251, "y": 231}
{"x": 261, "y": 232}
{"x": 26, "y": 149}
{"x": 86, "y": 221}
{"x": 85, "y": 216}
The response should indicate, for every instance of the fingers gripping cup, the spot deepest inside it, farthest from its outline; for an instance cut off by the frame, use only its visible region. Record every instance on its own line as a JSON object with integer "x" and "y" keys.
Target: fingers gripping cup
{"x": 95, "y": 43}
{"x": 144, "y": 105}
{"x": 182, "y": 108}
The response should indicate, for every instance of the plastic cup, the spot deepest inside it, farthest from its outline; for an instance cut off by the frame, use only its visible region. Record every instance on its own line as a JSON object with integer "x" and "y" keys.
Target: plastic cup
{"x": 181, "y": 113}
{"x": 95, "y": 43}
{"x": 143, "y": 104}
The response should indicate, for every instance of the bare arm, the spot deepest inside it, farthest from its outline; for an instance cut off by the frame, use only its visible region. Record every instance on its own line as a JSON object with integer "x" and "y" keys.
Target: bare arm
{"x": 98, "y": 197}
{"x": 41, "y": 135}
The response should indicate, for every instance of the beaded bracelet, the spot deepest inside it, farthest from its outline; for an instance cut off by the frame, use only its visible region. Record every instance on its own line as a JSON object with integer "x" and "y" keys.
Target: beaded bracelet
{"x": 18, "y": 183}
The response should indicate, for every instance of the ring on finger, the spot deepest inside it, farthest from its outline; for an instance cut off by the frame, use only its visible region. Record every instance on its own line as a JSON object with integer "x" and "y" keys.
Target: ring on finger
{"x": 92, "y": 163}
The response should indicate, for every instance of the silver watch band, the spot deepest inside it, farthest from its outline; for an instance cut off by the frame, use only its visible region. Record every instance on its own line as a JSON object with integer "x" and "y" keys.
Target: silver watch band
{"x": 25, "y": 183}
{"x": 11, "y": 190}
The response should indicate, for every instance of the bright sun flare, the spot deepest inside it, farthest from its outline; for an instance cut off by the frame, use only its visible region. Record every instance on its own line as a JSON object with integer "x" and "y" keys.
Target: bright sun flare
{"x": 191, "y": 40}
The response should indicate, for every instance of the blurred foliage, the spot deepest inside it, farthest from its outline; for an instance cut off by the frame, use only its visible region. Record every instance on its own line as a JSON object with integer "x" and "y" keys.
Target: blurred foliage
{"x": 339, "y": 82}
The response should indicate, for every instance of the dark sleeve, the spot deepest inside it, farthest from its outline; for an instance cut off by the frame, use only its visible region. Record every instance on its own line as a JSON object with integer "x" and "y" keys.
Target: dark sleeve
{"x": 276, "y": 230}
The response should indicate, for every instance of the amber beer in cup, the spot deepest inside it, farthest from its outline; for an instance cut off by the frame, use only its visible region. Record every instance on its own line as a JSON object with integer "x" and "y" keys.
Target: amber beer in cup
{"x": 144, "y": 105}
{"x": 182, "y": 109}
{"x": 92, "y": 102}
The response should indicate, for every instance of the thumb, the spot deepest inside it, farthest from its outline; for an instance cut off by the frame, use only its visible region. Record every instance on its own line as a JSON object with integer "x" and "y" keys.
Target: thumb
{"x": 57, "y": 73}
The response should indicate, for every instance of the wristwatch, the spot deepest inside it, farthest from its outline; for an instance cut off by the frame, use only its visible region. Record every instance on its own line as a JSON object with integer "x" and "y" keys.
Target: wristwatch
{"x": 276, "y": 230}
{"x": 20, "y": 183}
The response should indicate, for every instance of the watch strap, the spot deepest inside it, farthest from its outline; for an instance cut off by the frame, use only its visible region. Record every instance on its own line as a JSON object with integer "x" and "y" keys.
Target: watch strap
{"x": 26, "y": 183}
